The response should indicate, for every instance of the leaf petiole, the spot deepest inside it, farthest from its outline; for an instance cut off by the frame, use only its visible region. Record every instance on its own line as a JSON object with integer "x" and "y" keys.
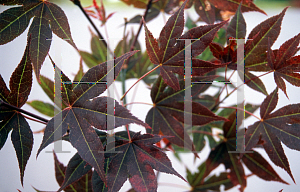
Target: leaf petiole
{"x": 237, "y": 108}
{"x": 22, "y": 111}
{"x": 139, "y": 80}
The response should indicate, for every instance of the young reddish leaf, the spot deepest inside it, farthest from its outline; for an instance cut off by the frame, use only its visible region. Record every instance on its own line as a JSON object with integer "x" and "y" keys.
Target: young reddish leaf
{"x": 20, "y": 87}
{"x": 232, "y": 5}
{"x": 205, "y": 10}
{"x": 168, "y": 52}
{"x": 137, "y": 161}
{"x": 283, "y": 63}
{"x": 167, "y": 115}
{"x": 100, "y": 12}
{"x": 46, "y": 14}
{"x": 261, "y": 35}
{"x": 280, "y": 125}
{"x": 237, "y": 26}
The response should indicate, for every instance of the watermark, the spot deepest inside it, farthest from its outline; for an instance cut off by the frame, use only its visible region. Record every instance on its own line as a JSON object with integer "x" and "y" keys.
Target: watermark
{"x": 240, "y": 115}
{"x": 110, "y": 103}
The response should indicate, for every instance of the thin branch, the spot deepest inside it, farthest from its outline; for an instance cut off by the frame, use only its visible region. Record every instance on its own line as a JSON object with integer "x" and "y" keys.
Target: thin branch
{"x": 237, "y": 108}
{"x": 137, "y": 103}
{"x": 139, "y": 80}
{"x": 22, "y": 111}
{"x": 173, "y": 185}
{"x": 216, "y": 105}
{"x": 32, "y": 119}
{"x": 141, "y": 25}
{"x": 77, "y": 2}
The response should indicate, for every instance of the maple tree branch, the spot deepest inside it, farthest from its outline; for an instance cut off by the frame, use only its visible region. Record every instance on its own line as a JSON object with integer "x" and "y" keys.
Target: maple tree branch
{"x": 216, "y": 105}
{"x": 77, "y": 2}
{"x": 32, "y": 119}
{"x": 173, "y": 185}
{"x": 139, "y": 80}
{"x": 138, "y": 103}
{"x": 22, "y": 111}
{"x": 237, "y": 108}
{"x": 141, "y": 25}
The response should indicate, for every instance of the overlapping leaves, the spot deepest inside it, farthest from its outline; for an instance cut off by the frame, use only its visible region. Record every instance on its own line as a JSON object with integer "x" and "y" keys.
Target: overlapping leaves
{"x": 168, "y": 51}
{"x": 11, "y": 120}
{"x": 137, "y": 159}
{"x": 82, "y": 113}
{"x": 280, "y": 126}
{"x": 14, "y": 21}
{"x": 285, "y": 65}
{"x": 167, "y": 115}
{"x": 221, "y": 154}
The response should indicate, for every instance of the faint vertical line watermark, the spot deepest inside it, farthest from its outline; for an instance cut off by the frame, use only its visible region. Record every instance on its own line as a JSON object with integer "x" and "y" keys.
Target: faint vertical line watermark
{"x": 240, "y": 136}
{"x": 240, "y": 115}
{"x": 58, "y": 101}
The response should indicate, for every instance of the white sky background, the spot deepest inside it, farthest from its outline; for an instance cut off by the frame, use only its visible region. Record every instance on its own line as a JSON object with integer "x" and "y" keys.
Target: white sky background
{"x": 40, "y": 173}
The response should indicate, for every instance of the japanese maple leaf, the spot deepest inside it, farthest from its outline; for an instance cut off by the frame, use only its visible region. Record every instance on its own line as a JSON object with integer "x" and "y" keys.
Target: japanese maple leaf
{"x": 169, "y": 51}
{"x": 280, "y": 126}
{"x": 47, "y": 18}
{"x": 257, "y": 43}
{"x": 232, "y": 5}
{"x": 221, "y": 155}
{"x": 86, "y": 110}
{"x": 137, "y": 159}
{"x": 20, "y": 86}
{"x": 167, "y": 114}
{"x": 78, "y": 168}
{"x": 284, "y": 64}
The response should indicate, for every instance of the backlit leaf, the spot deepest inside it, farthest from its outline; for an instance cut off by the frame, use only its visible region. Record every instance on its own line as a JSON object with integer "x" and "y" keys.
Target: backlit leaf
{"x": 232, "y": 5}
{"x": 281, "y": 125}
{"x": 284, "y": 65}
{"x": 168, "y": 50}
{"x": 20, "y": 87}
{"x": 83, "y": 113}
{"x": 167, "y": 115}
{"x": 137, "y": 161}
{"x": 15, "y": 20}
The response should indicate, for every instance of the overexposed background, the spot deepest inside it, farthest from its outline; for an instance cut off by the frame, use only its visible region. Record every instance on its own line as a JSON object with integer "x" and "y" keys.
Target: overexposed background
{"x": 40, "y": 172}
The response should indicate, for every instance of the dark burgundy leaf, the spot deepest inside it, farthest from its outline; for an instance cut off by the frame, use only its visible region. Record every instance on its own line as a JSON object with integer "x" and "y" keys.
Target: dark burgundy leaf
{"x": 237, "y": 26}
{"x": 137, "y": 161}
{"x": 167, "y": 115}
{"x": 168, "y": 51}
{"x": 82, "y": 113}
{"x": 20, "y": 87}
{"x": 281, "y": 65}
{"x": 205, "y": 10}
{"x": 15, "y": 20}
{"x": 281, "y": 125}
{"x": 232, "y": 5}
